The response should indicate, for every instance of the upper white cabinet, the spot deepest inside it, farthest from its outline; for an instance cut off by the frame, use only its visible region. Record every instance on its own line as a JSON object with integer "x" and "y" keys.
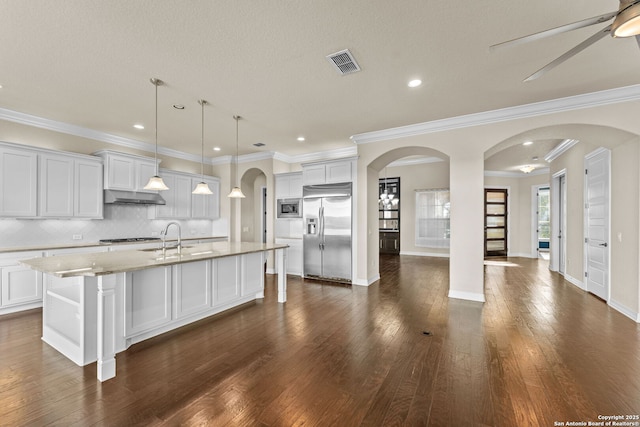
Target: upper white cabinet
{"x": 39, "y": 183}
{"x": 289, "y": 185}
{"x": 18, "y": 182}
{"x": 334, "y": 171}
{"x": 70, "y": 186}
{"x": 205, "y": 206}
{"x": 181, "y": 203}
{"x": 178, "y": 196}
{"x": 126, "y": 171}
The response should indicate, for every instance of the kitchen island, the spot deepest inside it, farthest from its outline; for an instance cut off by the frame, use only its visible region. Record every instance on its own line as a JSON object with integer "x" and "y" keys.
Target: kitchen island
{"x": 98, "y": 304}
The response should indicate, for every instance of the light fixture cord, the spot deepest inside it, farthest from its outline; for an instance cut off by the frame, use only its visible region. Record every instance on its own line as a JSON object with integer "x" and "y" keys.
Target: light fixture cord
{"x": 237, "y": 174}
{"x": 202, "y": 102}
{"x": 155, "y": 83}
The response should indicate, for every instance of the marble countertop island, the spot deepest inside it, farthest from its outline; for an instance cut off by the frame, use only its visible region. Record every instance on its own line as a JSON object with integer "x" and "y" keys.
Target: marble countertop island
{"x": 102, "y": 263}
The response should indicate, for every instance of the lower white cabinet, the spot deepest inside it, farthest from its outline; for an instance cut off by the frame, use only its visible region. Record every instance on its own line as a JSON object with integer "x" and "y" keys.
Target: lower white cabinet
{"x": 294, "y": 255}
{"x": 226, "y": 272}
{"x": 20, "y": 286}
{"x": 192, "y": 288}
{"x": 147, "y": 299}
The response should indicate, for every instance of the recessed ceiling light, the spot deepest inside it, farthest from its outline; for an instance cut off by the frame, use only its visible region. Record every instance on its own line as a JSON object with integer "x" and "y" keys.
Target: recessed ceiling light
{"x": 0, "y": 86}
{"x": 527, "y": 143}
{"x": 414, "y": 83}
{"x": 216, "y": 148}
{"x": 138, "y": 126}
{"x": 301, "y": 138}
{"x": 178, "y": 106}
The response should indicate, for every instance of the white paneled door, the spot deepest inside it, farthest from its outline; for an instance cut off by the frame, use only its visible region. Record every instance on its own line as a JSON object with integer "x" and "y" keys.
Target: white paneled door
{"x": 597, "y": 223}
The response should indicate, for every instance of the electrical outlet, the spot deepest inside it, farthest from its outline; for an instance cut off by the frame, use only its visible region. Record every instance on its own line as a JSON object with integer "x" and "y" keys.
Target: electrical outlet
{"x": 154, "y": 234}
{"x": 77, "y": 237}
{"x": 245, "y": 229}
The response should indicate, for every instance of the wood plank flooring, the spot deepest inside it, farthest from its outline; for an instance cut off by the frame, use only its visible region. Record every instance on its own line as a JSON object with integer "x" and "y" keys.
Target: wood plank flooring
{"x": 539, "y": 351}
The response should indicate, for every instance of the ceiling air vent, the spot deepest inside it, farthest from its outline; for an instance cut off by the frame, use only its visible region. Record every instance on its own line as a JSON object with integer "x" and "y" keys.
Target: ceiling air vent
{"x": 259, "y": 144}
{"x": 344, "y": 62}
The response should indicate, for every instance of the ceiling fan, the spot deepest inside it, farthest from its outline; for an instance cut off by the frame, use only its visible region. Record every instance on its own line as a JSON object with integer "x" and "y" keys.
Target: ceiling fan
{"x": 625, "y": 24}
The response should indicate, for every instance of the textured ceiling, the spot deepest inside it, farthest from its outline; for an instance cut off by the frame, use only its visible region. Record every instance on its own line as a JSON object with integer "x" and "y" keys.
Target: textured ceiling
{"x": 88, "y": 63}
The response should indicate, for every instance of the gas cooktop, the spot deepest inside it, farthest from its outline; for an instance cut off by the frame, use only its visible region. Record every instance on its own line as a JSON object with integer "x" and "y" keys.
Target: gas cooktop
{"x": 129, "y": 239}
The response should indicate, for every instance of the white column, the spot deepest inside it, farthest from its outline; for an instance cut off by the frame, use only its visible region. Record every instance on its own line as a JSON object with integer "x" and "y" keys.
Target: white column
{"x": 466, "y": 264}
{"x": 106, "y": 327}
{"x": 281, "y": 255}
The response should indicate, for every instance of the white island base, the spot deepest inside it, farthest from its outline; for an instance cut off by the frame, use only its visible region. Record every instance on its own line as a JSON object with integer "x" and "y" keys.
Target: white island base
{"x": 91, "y": 318}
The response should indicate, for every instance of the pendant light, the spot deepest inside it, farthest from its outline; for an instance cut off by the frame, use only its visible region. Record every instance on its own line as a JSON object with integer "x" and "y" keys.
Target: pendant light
{"x": 236, "y": 192}
{"x": 155, "y": 182}
{"x": 202, "y": 187}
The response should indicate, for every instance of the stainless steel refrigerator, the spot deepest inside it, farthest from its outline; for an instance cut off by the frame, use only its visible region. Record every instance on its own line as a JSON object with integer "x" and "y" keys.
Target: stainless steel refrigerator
{"x": 326, "y": 210}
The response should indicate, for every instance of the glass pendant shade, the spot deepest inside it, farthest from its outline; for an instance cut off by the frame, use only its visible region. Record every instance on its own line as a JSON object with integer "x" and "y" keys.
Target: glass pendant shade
{"x": 202, "y": 188}
{"x": 236, "y": 193}
{"x": 155, "y": 182}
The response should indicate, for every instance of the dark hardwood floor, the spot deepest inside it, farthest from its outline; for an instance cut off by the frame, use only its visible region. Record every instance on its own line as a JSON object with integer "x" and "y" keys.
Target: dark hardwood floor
{"x": 539, "y": 351}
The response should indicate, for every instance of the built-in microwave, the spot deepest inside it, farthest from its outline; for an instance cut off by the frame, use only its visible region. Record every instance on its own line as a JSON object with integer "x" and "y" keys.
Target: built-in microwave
{"x": 289, "y": 208}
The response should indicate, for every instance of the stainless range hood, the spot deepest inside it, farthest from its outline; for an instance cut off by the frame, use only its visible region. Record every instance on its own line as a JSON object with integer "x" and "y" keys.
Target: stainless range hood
{"x": 118, "y": 197}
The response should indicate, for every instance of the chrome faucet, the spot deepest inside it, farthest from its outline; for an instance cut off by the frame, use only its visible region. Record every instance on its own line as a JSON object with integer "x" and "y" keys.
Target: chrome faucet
{"x": 163, "y": 233}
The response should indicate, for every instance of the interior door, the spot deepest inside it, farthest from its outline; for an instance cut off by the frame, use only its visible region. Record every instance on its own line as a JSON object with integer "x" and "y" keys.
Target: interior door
{"x": 495, "y": 222}
{"x": 562, "y": 223}
{"x": 597, "y": 223}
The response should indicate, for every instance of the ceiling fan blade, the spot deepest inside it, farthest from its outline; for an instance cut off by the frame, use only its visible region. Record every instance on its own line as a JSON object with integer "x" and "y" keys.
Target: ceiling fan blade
{"x": 579, "y": 48}
{"x": 558, "y": 30}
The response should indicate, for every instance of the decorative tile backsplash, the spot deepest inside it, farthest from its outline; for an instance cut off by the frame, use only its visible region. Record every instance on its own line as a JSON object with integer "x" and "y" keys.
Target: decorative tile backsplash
{"x": 119, "y": 221}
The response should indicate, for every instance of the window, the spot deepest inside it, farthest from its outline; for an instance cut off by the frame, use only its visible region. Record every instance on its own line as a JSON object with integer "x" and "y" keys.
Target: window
{"x": 544, "y": 229}
{"x": 432, "y": 218}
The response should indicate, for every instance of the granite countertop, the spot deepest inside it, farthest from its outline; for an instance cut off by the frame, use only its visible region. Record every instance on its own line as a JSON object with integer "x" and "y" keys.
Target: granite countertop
{"x": 50, "y": 247}
{"x": 102, "y": 263}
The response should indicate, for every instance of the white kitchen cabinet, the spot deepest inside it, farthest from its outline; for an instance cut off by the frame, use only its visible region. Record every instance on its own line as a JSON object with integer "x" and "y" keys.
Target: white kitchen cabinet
{"x": 20, "y": 286}
{"x": 177, "y": 197}
{"x": 87, "y": 193}
{"x": 294, "y": 255}
{"x": 70, "y": 187}
{"x": 329, "y": 172}
{"x": 206, "y": 206}
{"x": 69, "y": 312}
{"x": 147, "y": 299}
{"x": 56, "y": 186}
{"x": 226, "y": 272}
{"x": 126, "y": 171}
{"x": 191, "y": 287}
{"x": 252, "y": 277}
{"x": 18, "y": 182}
{"x": 289, "y": 185}
{"x": 181, "y": 203}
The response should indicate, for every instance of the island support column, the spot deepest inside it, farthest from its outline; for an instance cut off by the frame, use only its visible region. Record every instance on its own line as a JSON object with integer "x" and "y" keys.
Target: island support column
{"x": 106, "y": 326}
{"x": 281, "y": 258}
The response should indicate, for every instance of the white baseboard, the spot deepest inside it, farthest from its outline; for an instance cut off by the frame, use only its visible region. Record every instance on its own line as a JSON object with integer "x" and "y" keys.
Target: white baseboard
{"x": 469, "y": 296}
{"x": 433, "y": 254}
{"x": 575, "y": 281}
{"x": 625, "y": 310}
{"x": 271, "y": 271}
{"x": 366, "y": 282}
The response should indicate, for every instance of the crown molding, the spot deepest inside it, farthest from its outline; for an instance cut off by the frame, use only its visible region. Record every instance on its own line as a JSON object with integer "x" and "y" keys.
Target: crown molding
{"x": 56, "y": 126}
{"x": 560, "y": 149}
{"x": 588, "y": 100}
